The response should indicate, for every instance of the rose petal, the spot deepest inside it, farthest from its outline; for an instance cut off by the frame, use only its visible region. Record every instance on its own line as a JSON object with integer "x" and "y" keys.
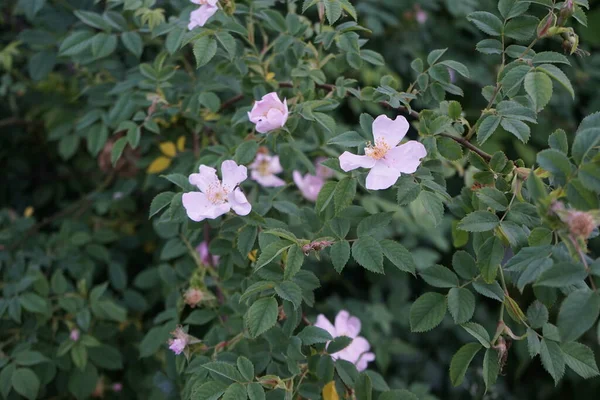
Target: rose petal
{"x": 205, "y": 179}
{"x": 323, "y": 323}
{"x": 200, "y": 16}
{"x": 267, "y": 180}
{"x": 233, "y": 174}
{"x": 406, "y": 158}
{"x": 239, "y": 203}
{"x": 381, "y": 176}
{"x": 392, "y": 131}
{"x": 349, "y": 161}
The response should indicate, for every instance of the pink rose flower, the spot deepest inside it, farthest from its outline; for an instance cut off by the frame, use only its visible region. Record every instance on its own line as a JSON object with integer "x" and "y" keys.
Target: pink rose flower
{"x": 215, "y": 198}
{"x": 74, "y": 335}
{"x": 179, "y": 341}
{"x": 207, "y": 9}
{"x": 323, "y": 171}
{"x": 117, "y": 387}
{"x": 263, "y": 170}
{"x": 269, "y": 113}
{"x": 205, "y": 255}
{"x": 193, "y": 297}
{"x": 386, "y": 159}
{"x": 346, "y": 325}
{"x": 309, "y": 185}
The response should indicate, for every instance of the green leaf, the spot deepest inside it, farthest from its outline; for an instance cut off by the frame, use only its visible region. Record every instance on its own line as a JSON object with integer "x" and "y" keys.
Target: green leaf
{"x": 261, "y": 316}
{"x": 552, "y": 359}
{"x": 255, "y": 392}
{"x": 368, "y": 253}
{"x": 333, "y": 10}
{"x": 435, "y": 55}
{"x": 537, "y": 314}
{"x": 246, "y": 368}
{"x": 103, "y": 45}
{"x": 486, "y": 22}
{"x": 585, "y": 145}
{"x": 204, "y": 50}
{"x": 398, "y": 394}
{"x": 489, "y": 256}
{"x": 578, "y": 313}
{"x": 478, "y": 332}
{"x": 293, "y": 262}
{"x": 562, "y": 274}
{"x": 514, "y": 110}
{"x": 580, "y": 197}
{"x": 512, "y": 8}
{"x": 289, "y": 291}
{"x": 211, "y": 390}
{"x": 175, "y": 39}
{"x": 133, "y": 42}
{"x": 511, "y": 82}
{"x": 5, "y": 379}
{"x": 432, "y": 205}
{"x": 76, "y": 43}
{"x": 325, "y": 196}
{"x": 521, "y": 28}
{"x": 28, "y": 358}
{"x": 589, "y": 175}
{"x": 161, "y": 201}
{"x": 449, "y": 149}
{"x": 491, "y": 368}
{"x": 364, "y": 387}
{"x": 235, "y": 391}
{"x": 372, "y": 223}
{"x": 518, "y": 128}
{"x": 580, "y": 359}
{"x": 311, "y": 335}
{"x": 344, "y": 193}
{"x": 246, "y": 239}
{"x": 271, "y": 252}
{"x": 245, "y": 152}
{"x": 223, "y": 369}
{"x": 408, "y": 190}
{"x": 558, "y": 141}
{"x": 493, "y": 198}
{"x": 539, "y": 87}
{"x": 461, "y": 304}
{"x": 464, "y": 265}
{"x": 427, "y": 312}
{"x": 533, "y": 343}
{"x": 339, "y": 343}
{"x": 489, "y": 46}
{"x": 227, "y": 42}
{"x": 256, "y": 288}
{"x": 461, "y": 360}
{"x": 439, "y": 276}
{"x": 26, "y": 383}
{"x": 549, "y": 57}
{"x": 491, "y": 290}
{"x": 479, "y": 221}
{"x": 487, "y": 127}
{"x": 340, "y": 254}
{"x": 555, "y": 73}
{"x": 92, "y": 19}
{"x": 398, "y": 255}
{"x": 348, "y": 139}
{"x": 33, "y": 303}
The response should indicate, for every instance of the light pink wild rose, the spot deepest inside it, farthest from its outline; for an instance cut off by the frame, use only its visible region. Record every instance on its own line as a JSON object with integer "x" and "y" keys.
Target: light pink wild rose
{"x": 346, "y": 325}
{"x": 386, "y": 160}
{"x": 74, "y": 335}
{"x": 310, "y": 185}
{"x": 205, "y": 255}
{"x": 216, "y": 198}
{"x": 207, "y": 9}
{"x": 269, "y": 113}
{"x": 263, "y": 170}
{"x": 181, "y": 340}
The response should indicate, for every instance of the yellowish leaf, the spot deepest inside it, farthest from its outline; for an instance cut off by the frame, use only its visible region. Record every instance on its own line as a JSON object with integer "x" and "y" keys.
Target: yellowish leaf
{"x": 159, "y": 165}
{"x": 180, "y": 143}
{"x": 28, "y": 212}
{"x": 329, "y": 392}
{"x": 252, "y": 255}
{"x": 168, "y": 149}
{"x": 270, "y": 76}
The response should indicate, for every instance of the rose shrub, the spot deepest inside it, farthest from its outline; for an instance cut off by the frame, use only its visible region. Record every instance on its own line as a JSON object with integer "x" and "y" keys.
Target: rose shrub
{"x": 318, "y": 199}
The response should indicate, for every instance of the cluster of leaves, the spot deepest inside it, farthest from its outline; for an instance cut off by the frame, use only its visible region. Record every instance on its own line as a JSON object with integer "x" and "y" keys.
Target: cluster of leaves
{"x": 108, "y": 95}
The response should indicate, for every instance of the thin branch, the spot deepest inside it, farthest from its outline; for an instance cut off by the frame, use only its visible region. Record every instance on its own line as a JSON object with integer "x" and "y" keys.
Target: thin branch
{"x": 465, "y": 143}
{"x": 230, "y": 102}
{"x": 12, "y": 121}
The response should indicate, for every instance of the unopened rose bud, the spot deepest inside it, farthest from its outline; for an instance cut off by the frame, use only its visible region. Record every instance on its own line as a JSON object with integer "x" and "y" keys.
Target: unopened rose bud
{"x": 581, "y": 224}
{"x": 565, "y": 12}
{"x": 181, "y": 340}
{"x": 117, "y": 387}
{"x": 321, "y": 8}
{"x": 193, "y": 297}
{"x": 74, "y": 335}
{"x": 545, "y": 25}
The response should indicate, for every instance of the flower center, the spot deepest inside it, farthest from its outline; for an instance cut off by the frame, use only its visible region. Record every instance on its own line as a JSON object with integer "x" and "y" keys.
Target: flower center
{"x": 217, "y": 194}
{"x": 378, "y": 151}
{"x": 263, "y": 168}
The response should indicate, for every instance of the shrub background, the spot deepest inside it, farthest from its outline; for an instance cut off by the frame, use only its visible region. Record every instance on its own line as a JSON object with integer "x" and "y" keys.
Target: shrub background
{"x": 78, "y": 248}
